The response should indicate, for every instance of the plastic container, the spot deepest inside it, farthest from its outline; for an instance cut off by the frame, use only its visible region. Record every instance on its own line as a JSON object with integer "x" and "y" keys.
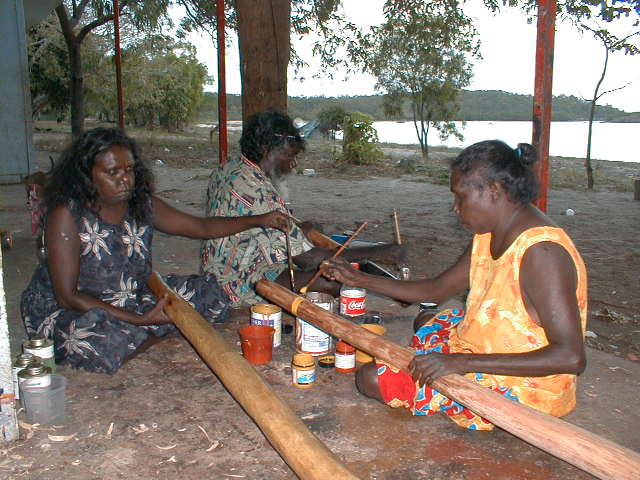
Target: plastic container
{"x": 345, "y": 357}
{"x": 362, "y": 357}
{"x": 45, "y": 405}
{"x": 257, "y": 343}
{"x": 303, "y": 370}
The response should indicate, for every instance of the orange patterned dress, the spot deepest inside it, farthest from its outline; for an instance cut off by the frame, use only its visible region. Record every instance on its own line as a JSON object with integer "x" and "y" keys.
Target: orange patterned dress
{"x": 495, "y": 321}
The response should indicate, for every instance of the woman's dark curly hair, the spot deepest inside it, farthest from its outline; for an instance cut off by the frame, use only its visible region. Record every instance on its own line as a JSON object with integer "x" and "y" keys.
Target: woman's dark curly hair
{"x": 71, "y": 178}
{"x": 266, "y": 131}
{"x": 506, "y": 166}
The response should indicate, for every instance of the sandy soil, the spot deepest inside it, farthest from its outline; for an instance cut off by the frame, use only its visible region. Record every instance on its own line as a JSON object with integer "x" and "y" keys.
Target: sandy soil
{"x": 166, "y": 415}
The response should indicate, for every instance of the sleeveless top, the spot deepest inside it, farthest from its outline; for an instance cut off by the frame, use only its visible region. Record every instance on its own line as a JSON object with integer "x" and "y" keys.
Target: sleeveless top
{"x": 497, "y": 321}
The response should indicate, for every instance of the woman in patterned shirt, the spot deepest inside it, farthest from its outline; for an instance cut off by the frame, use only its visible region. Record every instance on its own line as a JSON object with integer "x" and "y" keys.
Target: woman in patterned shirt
{"x": 91, "y": 296}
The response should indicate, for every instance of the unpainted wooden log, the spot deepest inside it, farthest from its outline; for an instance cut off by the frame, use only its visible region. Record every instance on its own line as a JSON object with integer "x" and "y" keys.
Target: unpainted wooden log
{"x": 307, "y": 456}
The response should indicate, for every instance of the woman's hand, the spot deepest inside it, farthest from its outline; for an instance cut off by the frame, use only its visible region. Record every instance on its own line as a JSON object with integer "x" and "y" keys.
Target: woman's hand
{"x": 426, "y": 368}
{"x": 275, "y": 219}
{"x": 156, "y": 315}
{"x": 340, "y": 270}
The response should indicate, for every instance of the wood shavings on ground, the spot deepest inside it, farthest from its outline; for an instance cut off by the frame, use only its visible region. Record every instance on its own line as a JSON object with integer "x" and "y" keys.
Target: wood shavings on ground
{"x": 109, "y": 430}
{"x": 168, "y": 447}
{"x": 140, "y": 429}
{"x": 213, "y": 444}
{"x": 61, "y": 438}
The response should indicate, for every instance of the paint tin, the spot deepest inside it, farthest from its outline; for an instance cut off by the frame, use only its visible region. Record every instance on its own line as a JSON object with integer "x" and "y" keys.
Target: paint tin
{"x": 23, "y": 360}
{"x": 34, "y": 376}
{"x": 405, "y": 273}
{"x": 303, "y": 370}
{"x": 345, "y": 357}
{"x": 42, "y": 348}
{"x": 310, "y": 339}
{"x": 327, "y": 361}
{"x": 270, "y": 315}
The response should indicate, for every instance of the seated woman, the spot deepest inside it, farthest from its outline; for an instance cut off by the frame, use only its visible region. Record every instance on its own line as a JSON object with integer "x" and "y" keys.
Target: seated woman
{"x": 526, "y": 311}
{"x": 91, "y": 297}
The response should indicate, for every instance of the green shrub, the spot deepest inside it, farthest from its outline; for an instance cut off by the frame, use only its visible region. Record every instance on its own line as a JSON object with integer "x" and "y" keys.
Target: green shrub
{"x": 360, "y": 141}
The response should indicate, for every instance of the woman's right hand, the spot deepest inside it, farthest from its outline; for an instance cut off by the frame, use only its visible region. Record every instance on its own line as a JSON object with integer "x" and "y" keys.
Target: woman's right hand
{"x": 156, "y": 315}
{"x": 340, "y": 270}
{"x": 275, "y": 219}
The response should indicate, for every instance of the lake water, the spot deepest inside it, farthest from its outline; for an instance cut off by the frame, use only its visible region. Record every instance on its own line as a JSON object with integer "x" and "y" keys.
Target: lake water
{"x": 610, "y": 141}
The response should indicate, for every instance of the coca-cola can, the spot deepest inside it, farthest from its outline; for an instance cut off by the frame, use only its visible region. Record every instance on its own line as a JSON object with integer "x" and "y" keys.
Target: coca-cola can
{"x": 353, "y": 302}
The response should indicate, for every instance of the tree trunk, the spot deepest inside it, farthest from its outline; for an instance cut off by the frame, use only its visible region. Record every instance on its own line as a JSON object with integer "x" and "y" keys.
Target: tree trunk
{"x": 587, "y": 160}
{"x": 264, "y": 28}
{"x": 77, "y": 88}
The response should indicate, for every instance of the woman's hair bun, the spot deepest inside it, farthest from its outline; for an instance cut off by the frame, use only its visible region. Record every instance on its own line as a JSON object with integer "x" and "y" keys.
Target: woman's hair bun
{"x": 526, "y": 154}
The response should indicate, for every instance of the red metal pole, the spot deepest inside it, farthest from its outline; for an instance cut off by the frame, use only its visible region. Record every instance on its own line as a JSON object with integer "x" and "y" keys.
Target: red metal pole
{"x": 222, "y": 86}
{"x": 116, "y": 25}
{"x": 542, "y": 94}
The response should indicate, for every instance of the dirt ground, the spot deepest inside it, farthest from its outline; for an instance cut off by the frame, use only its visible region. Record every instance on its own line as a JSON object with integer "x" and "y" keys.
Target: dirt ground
{"x": 166, "y": 415}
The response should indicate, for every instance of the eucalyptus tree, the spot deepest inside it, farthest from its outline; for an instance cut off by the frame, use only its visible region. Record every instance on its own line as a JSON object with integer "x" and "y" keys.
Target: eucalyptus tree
{"x": 78, "y": 18}
{"x": 421, "y": 55}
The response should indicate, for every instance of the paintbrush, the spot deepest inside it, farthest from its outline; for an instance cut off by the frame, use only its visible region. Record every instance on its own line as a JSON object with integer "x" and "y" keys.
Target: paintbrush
{"x": 397, "y": 227}
{"x": 290, "y": 261}
{"x": 335, "y": 255}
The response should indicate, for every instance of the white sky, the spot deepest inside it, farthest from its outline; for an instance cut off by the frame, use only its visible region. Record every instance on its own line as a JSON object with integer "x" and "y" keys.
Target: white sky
{"x": 508, "y": 51}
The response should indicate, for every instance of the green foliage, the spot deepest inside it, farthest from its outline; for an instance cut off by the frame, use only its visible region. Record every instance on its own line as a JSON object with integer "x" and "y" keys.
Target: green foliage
{"x": 420, "y": 55}
{"x": 331, "y": 119}
{"x": 360, "y": 140}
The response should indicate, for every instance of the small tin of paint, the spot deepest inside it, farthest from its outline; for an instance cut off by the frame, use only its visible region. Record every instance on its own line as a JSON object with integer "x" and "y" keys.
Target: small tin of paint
{"x": 34, "y": 376}
{"x": 345, "y": 357}
{"x": 42, "y": 348}
{"x": 303, "y": 370}
{"x": 270, "y": 315}
{"x": 310, "y": 339}
{"x": 22, "y": 361}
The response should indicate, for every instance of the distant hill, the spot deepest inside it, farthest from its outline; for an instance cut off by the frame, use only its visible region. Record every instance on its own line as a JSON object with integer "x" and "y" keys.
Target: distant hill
{"x": 475, "y": 105}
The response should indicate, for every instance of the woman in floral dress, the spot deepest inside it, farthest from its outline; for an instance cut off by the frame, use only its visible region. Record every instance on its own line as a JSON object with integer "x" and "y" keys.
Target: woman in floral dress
{"x": 91, "y": 295}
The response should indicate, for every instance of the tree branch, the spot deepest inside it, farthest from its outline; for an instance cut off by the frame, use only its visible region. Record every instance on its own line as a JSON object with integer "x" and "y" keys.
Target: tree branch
{"x": 98, "y": 22}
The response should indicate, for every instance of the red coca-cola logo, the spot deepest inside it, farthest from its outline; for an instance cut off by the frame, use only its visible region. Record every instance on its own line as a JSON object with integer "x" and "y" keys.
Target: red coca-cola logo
{"x": 353, "y": 306}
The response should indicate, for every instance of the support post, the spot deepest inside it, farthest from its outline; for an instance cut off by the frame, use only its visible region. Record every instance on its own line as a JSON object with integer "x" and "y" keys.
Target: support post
{"x": 307, "y": 456}
{"x": 222, "y": 85}
{"x": 636, "y": 189}
{"x": 542, "y": 99}
{"x": 553, "y": 435}
{"x": 116, "y": 27}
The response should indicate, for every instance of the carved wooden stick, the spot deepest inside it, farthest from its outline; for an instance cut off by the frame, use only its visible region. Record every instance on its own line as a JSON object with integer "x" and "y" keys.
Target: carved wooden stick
{"x": 307, "y": 456}
{"x": 596, "y": 455}
{"x": 396, "y": 227}
{"x": 335, "y": 255}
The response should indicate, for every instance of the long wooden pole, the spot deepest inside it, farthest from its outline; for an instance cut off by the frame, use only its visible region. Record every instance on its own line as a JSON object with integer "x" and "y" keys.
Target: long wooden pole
{"x": 596, "y": 455}
{"x": 307, "y": 456}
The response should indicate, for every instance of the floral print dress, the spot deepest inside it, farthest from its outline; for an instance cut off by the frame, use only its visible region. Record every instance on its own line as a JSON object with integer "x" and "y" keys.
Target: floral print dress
{"x": 115, "y": 264}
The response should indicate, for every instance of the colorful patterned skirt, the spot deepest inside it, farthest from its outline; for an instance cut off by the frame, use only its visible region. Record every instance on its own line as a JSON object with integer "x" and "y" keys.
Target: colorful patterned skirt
{"x": 399, "y": 390}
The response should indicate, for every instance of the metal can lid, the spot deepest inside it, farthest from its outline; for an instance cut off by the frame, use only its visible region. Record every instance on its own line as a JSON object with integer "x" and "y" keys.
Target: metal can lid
{"x": 303, "y": 360}
{"x": 38, "y": 342}
{"x": 34, "y": 370}
{"x": 327, "y": 361}
{"x": 26, "y": 356}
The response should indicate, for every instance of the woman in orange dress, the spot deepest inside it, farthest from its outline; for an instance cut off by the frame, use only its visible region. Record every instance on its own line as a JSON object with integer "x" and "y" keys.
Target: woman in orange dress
{"x": 521, "y": 332}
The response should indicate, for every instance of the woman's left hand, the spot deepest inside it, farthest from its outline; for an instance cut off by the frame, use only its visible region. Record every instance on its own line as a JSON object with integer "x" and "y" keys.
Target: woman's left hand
{"x": 275, "y": 219}
{"x": 426, "y": 368}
